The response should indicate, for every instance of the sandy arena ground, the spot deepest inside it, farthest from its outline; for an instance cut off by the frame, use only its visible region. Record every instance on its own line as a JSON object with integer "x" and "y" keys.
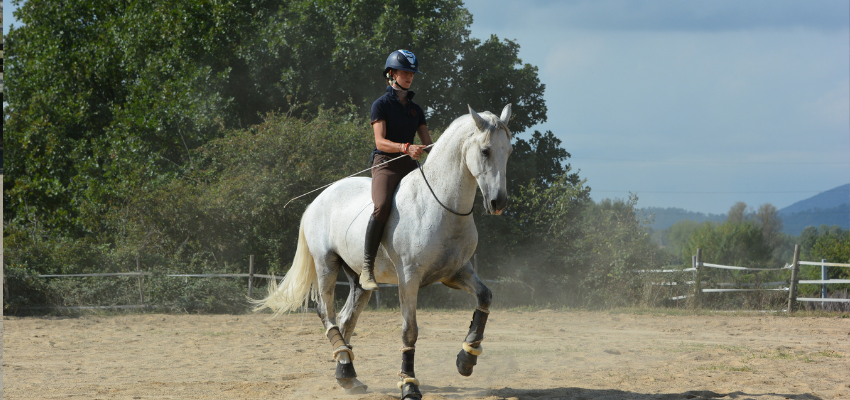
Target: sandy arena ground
{"x": 527, "y": 355}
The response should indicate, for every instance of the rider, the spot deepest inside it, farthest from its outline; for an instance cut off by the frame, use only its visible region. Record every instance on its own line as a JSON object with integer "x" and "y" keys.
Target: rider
{"x": 396, "y": 119}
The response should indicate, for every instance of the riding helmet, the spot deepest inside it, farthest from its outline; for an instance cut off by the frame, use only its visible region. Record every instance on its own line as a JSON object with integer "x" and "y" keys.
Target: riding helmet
{"x": 403, "y": 60}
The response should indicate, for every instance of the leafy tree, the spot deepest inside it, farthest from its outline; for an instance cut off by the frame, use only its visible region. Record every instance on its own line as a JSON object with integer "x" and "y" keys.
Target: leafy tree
{"x": 830, "y": 243}
{"x": 678, "y": 236}
{"x": 729, "y": 243}
{"x": 110, "y": 98}
{"x": 615, "y": 242}
{"x": 767, "y": 218}
{"x": 737, "y": 213}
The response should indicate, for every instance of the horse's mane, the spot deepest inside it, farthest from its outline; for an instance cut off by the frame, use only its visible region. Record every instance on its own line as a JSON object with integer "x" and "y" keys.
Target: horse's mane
{"x": 494, "y": 124}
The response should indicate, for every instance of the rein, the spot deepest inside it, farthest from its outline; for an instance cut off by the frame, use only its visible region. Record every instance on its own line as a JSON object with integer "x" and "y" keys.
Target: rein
{"x": 419, "y": 167}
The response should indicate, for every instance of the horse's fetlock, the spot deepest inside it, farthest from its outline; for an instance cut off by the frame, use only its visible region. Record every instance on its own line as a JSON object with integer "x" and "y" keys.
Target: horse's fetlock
{"x": 407, "y": 363}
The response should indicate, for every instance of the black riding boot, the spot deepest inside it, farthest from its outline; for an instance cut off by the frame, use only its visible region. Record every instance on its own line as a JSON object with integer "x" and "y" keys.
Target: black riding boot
{"x": 374, "y": 232}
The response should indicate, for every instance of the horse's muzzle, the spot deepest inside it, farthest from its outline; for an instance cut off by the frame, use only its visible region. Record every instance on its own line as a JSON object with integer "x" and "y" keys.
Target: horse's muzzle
{"x": 498, "y": 204}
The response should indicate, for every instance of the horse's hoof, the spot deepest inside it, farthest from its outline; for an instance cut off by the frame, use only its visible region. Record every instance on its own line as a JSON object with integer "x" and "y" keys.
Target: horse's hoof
{"x": 410, "y": 391}
{"x": 465, "y": 362}
{"x": 345, "y": 371}
{"x": 352, "y": 386}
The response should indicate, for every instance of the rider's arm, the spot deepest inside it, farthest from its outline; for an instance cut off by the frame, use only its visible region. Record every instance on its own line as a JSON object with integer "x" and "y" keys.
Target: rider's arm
{"x": 424, "y": 135}
{"x": 381, "y": 141}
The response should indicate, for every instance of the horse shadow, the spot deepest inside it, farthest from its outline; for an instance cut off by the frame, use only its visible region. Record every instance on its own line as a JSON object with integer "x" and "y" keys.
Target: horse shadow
{"x": 574, "y": 393}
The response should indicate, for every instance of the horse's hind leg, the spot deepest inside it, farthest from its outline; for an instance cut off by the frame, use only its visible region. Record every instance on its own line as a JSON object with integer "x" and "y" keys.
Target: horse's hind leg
{"x": 357, "y": 301}
{"x": 327, "y": 269}
{"x": 466, "y": 279}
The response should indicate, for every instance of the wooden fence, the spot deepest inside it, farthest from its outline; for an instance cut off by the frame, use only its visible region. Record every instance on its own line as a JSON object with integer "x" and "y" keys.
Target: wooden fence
{"x": 140, "y": 274}
{"x": 698, "y": 265}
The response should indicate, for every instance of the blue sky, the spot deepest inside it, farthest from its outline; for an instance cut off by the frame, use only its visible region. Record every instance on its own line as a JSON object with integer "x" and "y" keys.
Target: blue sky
{"x": 690, "y": 104}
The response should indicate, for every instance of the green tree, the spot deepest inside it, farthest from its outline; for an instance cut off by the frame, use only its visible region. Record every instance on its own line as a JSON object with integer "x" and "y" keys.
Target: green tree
{"x": 106, "y": 99}
{"x": 737, "y": 213}
{"x": 830, "y": 243}
{"x": 729, "y": 243}
{"x": 678, "y": 236}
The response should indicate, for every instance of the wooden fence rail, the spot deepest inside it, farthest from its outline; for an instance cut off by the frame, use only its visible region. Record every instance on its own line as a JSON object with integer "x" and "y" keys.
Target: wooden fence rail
{"x": 698, "y": 265}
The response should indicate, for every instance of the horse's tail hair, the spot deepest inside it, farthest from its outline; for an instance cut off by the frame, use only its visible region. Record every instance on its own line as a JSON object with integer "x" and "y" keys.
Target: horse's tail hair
{"x": 297, "y": 284}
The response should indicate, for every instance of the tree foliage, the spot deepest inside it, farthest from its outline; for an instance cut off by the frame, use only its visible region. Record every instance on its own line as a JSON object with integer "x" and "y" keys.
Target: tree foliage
{"x": 99, "y": 93}
{"x": 175, "y": 133}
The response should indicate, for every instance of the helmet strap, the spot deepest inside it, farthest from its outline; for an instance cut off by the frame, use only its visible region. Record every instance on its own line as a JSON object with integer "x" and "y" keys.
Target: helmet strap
{"x": 394, "y": 82}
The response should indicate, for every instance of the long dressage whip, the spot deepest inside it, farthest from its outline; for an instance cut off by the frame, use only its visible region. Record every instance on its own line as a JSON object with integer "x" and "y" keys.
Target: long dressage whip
{"x": 356, "y": 173}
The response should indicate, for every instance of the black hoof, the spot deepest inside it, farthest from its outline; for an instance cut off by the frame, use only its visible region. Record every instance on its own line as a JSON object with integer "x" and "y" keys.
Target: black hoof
{"x": 465, "y": 362}
{"x": 345, "y": 371}
{"x": 410, "y": 391}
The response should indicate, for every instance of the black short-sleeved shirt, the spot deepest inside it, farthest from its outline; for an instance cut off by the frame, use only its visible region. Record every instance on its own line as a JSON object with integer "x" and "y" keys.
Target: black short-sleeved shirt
{"x": 402, "y": 120}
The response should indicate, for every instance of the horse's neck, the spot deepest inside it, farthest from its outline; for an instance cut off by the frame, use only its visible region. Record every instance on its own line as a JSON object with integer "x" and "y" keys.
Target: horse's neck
{"x": 449, "y": 177}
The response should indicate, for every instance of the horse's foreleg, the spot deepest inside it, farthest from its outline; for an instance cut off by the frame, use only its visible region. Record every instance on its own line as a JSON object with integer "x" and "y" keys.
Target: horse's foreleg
{"x": 408, "y": 293}
{"x": 467, "y": 279}
{"x": 342, "y": 353}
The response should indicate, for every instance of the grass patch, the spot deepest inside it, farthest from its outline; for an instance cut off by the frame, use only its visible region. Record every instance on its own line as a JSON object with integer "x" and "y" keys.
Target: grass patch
{"x": 828, "y": 353}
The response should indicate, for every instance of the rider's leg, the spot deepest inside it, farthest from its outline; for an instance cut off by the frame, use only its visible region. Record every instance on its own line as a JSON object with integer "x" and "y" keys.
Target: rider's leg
{"x": 385, "y": 179}
{"x": 374, "y": 233}
{"x": 383, "y": 186}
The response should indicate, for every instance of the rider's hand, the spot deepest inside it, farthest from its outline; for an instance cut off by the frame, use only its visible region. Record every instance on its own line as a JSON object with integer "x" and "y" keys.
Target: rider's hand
{"x": 415, "y": 151}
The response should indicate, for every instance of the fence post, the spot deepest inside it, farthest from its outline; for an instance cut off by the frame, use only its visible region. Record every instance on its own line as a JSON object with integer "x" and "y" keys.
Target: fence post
{"x": 250, "y": 275}
{"x": 795, "y": 269}
{"x": 823, "y": 276}
{"x": 697, "y": 279}
{"x": 141, "y": 286}
{"x": 378, "y": 299}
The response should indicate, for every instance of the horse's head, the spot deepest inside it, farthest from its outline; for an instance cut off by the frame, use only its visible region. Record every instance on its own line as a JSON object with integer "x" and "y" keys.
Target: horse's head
{"x": 486, "y": 155}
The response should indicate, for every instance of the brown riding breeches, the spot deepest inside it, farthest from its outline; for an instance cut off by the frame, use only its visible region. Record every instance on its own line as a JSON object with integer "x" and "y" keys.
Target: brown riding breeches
{"x": 385, "y": 180}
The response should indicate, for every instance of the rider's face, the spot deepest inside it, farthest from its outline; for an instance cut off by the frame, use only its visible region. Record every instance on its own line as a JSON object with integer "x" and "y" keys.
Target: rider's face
{"x": 404, "y": 78}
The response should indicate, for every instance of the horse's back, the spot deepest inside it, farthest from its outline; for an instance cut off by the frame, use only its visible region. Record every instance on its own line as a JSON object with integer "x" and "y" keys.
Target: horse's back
{"x": 336, "y": 220}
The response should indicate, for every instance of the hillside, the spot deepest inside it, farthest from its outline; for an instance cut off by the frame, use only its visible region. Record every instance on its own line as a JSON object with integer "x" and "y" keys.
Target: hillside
{"x": 829, "y": 199}
{"x": 831, "y": 207}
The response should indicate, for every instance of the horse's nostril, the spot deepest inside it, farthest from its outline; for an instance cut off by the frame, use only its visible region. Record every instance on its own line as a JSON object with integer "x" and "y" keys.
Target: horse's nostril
{"x": 494, "y": 205}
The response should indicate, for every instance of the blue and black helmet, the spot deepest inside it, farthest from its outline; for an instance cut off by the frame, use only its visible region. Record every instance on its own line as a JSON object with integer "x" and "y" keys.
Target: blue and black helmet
{"x": 403, "y": 60}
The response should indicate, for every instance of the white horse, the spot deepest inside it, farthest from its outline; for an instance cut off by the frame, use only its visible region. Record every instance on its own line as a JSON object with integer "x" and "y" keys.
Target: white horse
{"x": 428, "y": 238}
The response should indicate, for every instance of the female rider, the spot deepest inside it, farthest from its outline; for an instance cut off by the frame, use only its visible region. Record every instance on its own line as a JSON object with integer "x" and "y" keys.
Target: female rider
{"x": 396, "y": 119}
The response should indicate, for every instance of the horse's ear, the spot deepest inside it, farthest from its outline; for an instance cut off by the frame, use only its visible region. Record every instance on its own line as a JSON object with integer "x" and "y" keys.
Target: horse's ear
{"x": 479, "y": 122}
{"x": 506, "y": 114}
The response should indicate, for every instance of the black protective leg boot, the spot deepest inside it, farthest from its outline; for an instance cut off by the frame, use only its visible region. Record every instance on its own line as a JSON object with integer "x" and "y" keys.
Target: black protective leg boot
{"x": 374, "y": 232}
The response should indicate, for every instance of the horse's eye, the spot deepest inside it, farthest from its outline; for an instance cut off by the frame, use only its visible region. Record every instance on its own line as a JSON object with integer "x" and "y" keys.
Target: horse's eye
{"x": 485, "y": 152}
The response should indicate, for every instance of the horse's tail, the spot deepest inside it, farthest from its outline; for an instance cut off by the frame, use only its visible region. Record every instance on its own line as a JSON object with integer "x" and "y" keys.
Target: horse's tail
{"x": 297, "y": 284}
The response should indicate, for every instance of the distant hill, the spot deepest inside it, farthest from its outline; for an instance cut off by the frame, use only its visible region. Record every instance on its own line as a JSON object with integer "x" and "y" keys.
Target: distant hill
{"x": 795, "y": 223}
{"x": 825, "y": 200}
{"x": 831, "y": 207}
